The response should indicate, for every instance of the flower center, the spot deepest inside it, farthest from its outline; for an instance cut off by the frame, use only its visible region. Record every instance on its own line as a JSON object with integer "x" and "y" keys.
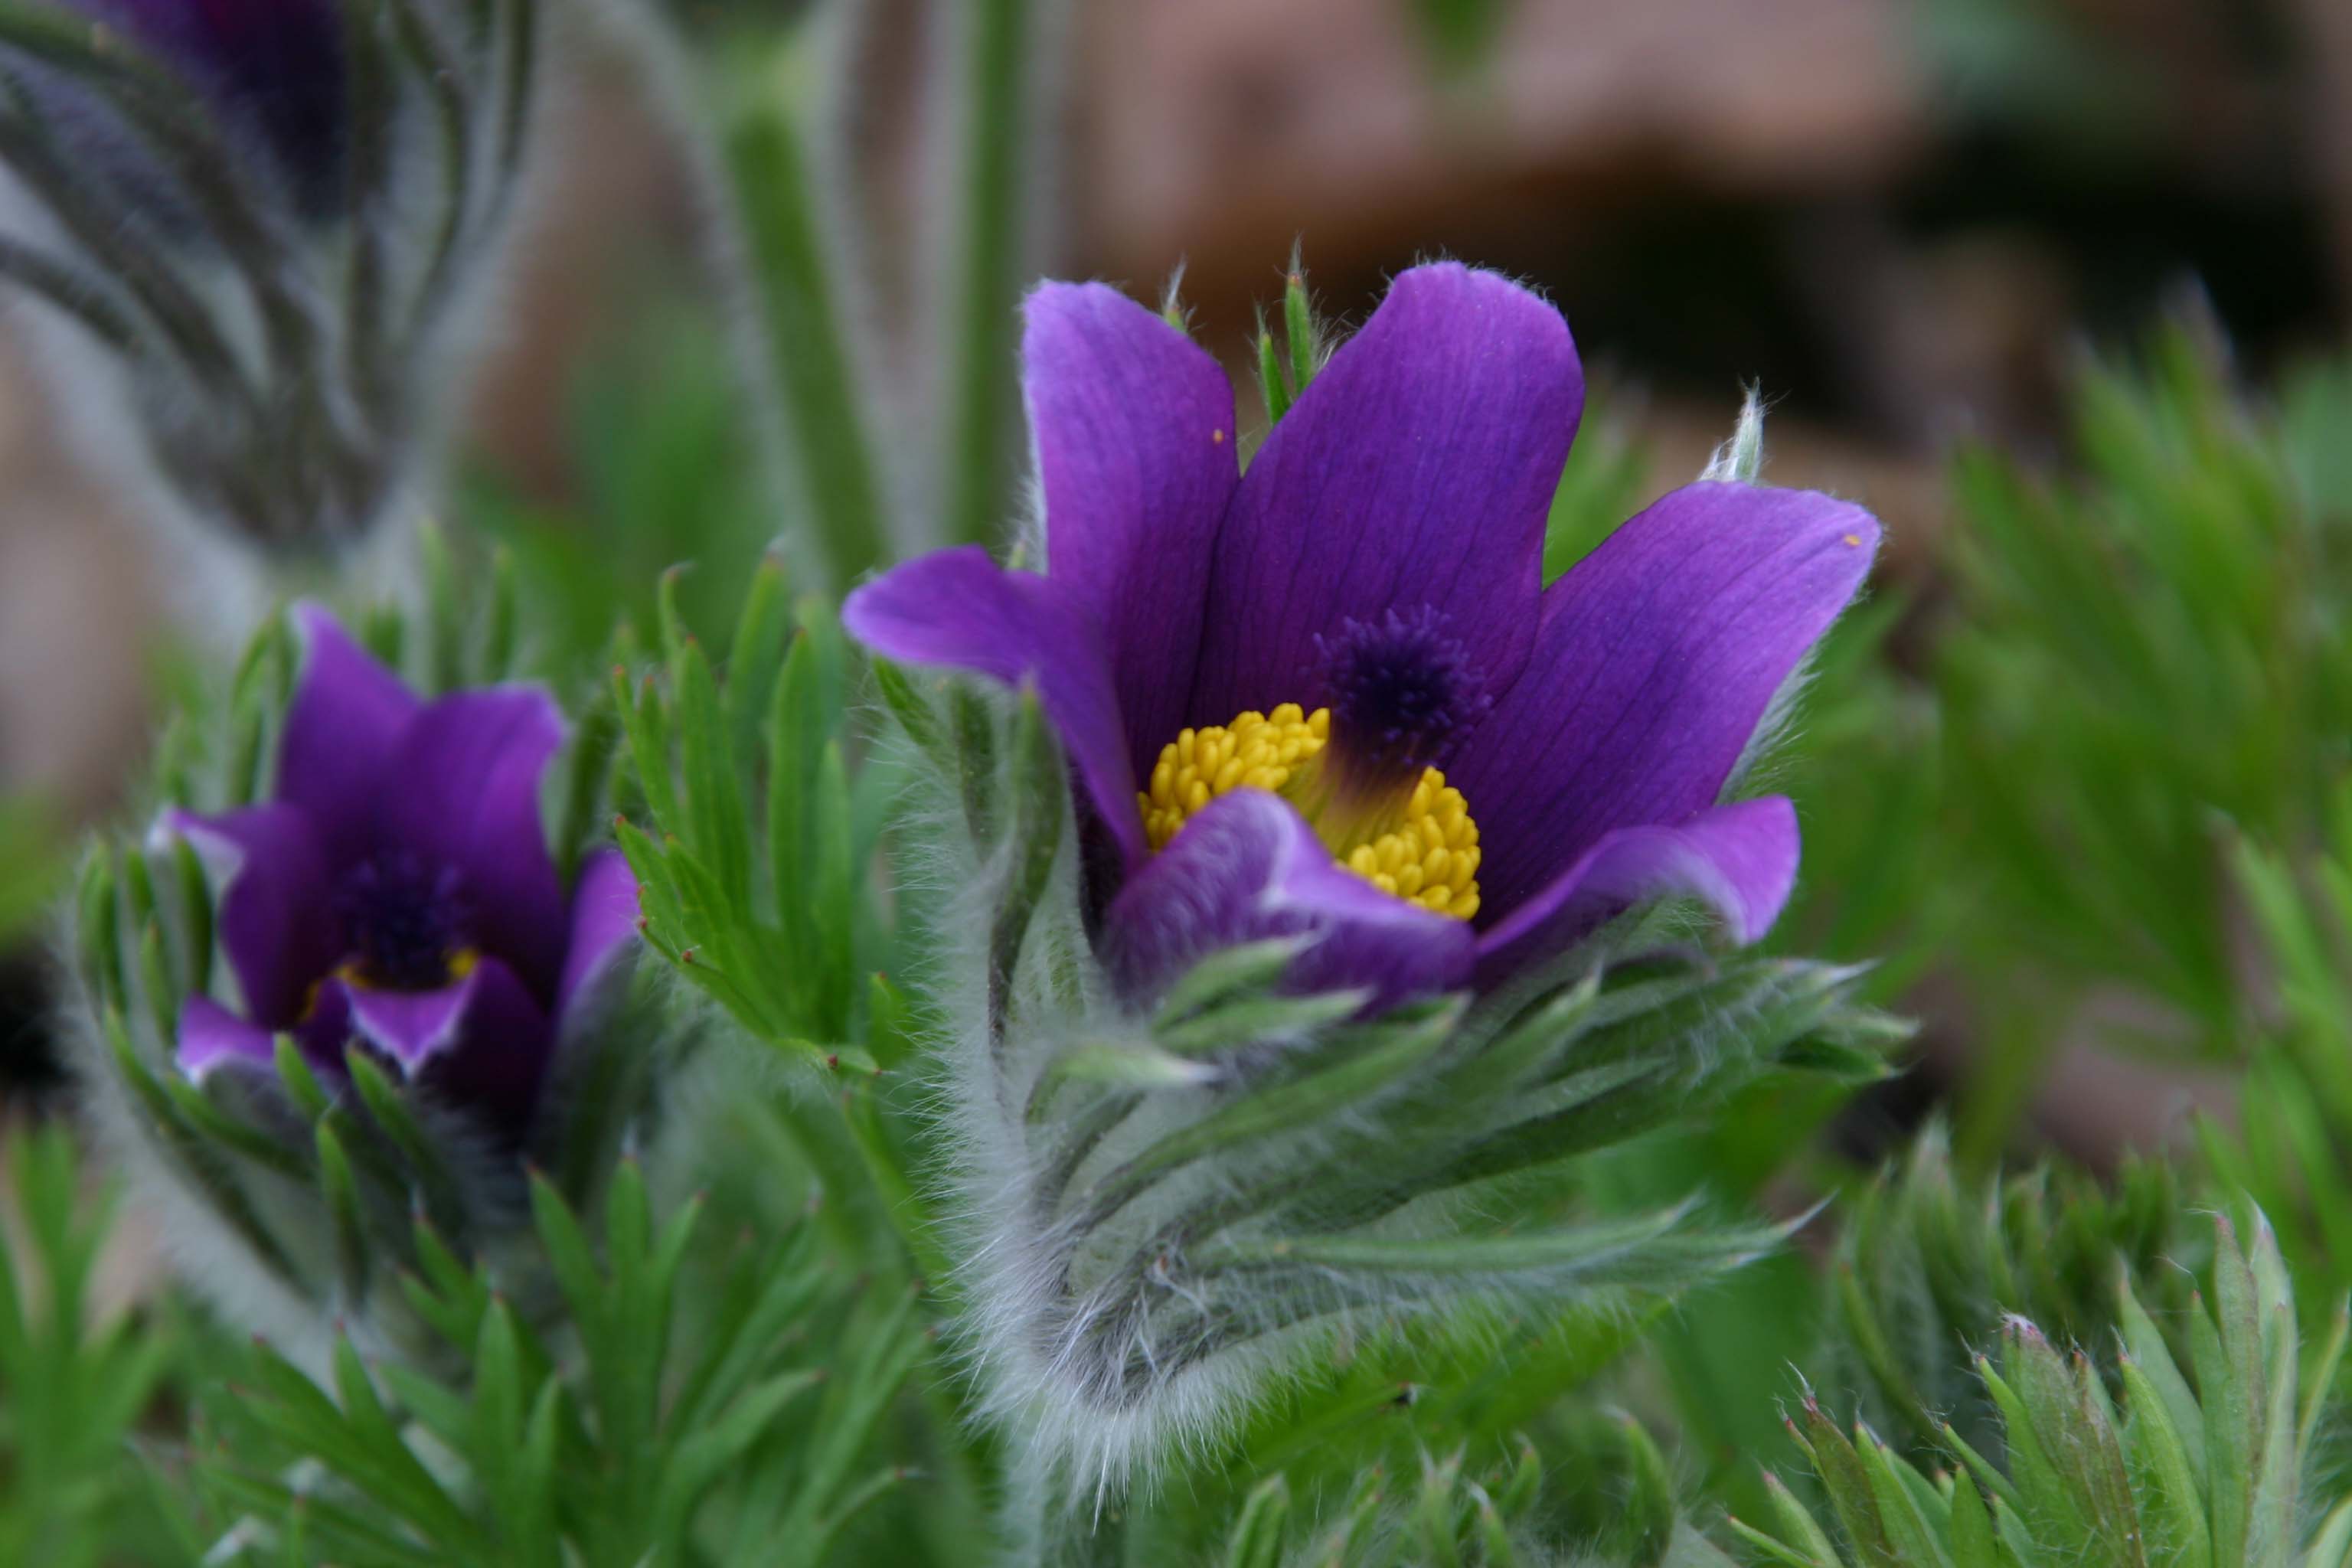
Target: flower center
{"x": 405, "y": 925}
{"x": 1414, "y": 838}
{"x": 1401, "y": 694}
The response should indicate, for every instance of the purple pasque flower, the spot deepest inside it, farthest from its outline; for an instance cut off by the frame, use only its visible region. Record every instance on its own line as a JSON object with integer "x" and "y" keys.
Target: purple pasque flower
{"x": 397, "y": 893}
{"x": 276, "y": 67}
{"x": 1330, "y": 697}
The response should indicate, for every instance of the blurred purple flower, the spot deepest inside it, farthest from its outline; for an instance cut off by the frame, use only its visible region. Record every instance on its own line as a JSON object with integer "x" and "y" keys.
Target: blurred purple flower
{"x": 398, "y": 893}
{"x": 1284, "y": 659}
{"x": 274, "y": 66}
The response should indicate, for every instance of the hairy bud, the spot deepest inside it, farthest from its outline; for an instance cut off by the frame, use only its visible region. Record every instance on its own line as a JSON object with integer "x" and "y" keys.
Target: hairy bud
{"x": 253, "y": 230}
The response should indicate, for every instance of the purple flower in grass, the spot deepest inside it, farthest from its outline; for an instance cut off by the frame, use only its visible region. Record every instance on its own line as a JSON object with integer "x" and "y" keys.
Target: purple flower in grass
{"x": 397, "y": 893}
{"x": 1330, "y": 697}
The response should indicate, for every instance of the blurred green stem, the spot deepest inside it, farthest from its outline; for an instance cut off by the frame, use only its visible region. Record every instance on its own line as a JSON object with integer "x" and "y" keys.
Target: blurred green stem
{"x": 832, "y": 457}
{"x": 766, "y": 257}
{"x": 998, "y": 56}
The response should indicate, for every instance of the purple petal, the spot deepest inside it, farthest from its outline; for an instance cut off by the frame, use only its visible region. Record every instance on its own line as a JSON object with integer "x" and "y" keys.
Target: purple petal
{"x": 604, "y": 919}
{"x": 1134, "y": 428}
{"x": 482, "y": 1043}
{"x": 212, "y": 1036}
{"x": 276, "y": 918}
{"x": 1740, "y": 859}
{"x": 1248, "y": 867}
{"x": 465, "y": 795}
{"x": 1417, "y": 470}
{"x": 958, "y": 608}
{"x": 342, "y": 730}
{"x": 1657, "y": 658}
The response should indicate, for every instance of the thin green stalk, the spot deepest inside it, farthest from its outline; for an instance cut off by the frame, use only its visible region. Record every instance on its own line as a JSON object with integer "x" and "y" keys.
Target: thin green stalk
{"x": 832, "y": 456}
{"x": 984, "y": 278}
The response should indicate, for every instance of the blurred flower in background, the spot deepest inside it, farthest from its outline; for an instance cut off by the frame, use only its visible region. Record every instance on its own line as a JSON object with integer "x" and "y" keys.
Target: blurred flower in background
{"x": 254, "y": 233}
{"x": 396, "y": 891}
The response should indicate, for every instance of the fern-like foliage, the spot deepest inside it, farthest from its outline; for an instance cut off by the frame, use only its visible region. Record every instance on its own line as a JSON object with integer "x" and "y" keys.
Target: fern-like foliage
{"x": 753, "y": 826}
{"x": 1932, "y": 1262}
{"x": 2295, "y": 1109}
{"x": 2197, "y": 1462}
{"x": 2136, "y": 651}
{"x": 696, "y": 1409}
{"x": 756, "y": 828}
{"x": 78, "y": 1374}
{"x": 1604, "y": 1496}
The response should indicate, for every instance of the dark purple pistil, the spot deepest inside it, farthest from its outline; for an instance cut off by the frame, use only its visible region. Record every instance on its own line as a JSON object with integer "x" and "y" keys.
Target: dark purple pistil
{"x": 1401, "y": 694}
{"x": 405, "y": 925}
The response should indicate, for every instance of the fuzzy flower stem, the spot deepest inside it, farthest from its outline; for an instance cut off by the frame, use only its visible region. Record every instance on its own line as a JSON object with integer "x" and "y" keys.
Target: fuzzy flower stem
{"x": 1001, "y": 62}
{"x": 808, "y": 361}
{"x": 764, "y": 246}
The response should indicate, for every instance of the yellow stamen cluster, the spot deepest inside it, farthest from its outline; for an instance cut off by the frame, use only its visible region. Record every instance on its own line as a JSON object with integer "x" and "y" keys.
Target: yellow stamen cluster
{"x": 1255, "y": 751}
{"x": 1425, "y": 852}
{"x": 1430, "y": 858}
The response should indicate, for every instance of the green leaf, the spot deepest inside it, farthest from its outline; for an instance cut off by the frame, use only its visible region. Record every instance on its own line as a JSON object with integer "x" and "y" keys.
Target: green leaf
{"x": 705, "y": 1456}
{"x": 1299, "y": 331}
{"x": 1248, "y": 966}
{"x": 706, "y": 765}
{"x": 2164, "y": 1481}
{"x": 2227, "y": 1352}
{"x": 1355, "y": 1073}
{"x": 101, "y": 938}
{"x": 1654, "y": 1251}
{"x": 389, "y": 1107}
{"x": 1264, "y": 1524}
{"x": 1272, "y": 383}
{"x": 1974, "y": 1545}
{"x": 341, "y": 1195}
{"x": 755, "y": 658}
{"x": 1851, "y": 1493}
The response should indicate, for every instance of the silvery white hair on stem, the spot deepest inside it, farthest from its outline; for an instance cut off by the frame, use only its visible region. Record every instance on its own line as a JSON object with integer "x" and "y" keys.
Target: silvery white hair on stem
{"x": 257, "y": 318}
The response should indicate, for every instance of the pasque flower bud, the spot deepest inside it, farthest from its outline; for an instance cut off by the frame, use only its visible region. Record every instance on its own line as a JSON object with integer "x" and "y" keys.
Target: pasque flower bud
{"x": 254, "y": 229}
